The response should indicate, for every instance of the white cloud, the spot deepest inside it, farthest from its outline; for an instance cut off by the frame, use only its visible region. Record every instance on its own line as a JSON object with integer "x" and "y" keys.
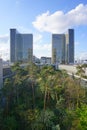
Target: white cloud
{"x": 4, "y": 38}
{"x": 23, "y": 29}
{"x": 37, "y": 38}
{"x": 4, "y": 47}
{"x": 83, "y": 56}
{"x": 42, "y": 49}
{"x": 59, "y": 21}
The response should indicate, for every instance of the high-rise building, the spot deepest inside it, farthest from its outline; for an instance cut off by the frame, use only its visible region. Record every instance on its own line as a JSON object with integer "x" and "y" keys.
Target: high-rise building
{"x": 63, "y": 47}
{"x": 70, "y": 46}
{"x": 12, "y": 44}
{"x": 21, "y": 46}
{"x": 58, "y": 45}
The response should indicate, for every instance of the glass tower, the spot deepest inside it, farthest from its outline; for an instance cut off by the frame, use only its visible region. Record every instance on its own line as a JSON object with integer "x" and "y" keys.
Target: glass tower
{"x": 12, "y": 44}
{"x": 21, "y": 46}
{"x": 63, "y": 47}
{"x": 71, "y": 46}
{"x": 58, "y": 51}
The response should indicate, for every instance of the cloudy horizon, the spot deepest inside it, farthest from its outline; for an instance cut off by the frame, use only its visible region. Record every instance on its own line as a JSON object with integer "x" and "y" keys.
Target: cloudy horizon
{"x": 50, "y": 22}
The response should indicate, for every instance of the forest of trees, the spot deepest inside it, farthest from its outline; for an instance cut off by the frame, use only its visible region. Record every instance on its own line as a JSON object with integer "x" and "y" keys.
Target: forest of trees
{"x": 42, "y": 99}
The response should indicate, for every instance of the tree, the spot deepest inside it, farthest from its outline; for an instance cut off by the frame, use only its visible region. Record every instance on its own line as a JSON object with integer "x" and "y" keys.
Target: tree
{"x": 10, "y": 123}
{"x": 81, "y": 70}
{"x": 18, "y": 79}
{"x": 32, "y": 76}
{"x": 80, "y": 121}
{"x": 45, "y": 120}
{"x": 7, "y": 91}
{"x": 45, "y": 81}
{"x": 74, "y": 93}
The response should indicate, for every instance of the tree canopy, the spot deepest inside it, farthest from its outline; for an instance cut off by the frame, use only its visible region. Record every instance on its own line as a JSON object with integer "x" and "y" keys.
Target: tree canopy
{"x": 42, "y": 99}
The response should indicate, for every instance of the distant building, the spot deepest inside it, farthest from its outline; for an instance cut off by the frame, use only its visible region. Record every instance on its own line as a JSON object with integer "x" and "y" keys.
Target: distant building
{"x": 36, "y": 60}
{"x": 45, "y": 60}
{"x": 48, "y": 60}
{"x": 63, "y": 48}
{"x": 81, "y": 61}
{"x": 1, "y": 73}
{"x": 21, "y": 46}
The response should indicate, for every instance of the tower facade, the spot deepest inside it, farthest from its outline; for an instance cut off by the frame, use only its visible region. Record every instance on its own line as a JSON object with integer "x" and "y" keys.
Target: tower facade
{"x": 12, "y": 44}
{"x": 21, "y": 46}
{"x": 71, "y": 46}
{"x": 63, "y": 48}
{"x": 58, "y": 45}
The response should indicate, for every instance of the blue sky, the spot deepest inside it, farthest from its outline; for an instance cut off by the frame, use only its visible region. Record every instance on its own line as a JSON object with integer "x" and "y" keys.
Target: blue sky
{"x": 42, "y": 18}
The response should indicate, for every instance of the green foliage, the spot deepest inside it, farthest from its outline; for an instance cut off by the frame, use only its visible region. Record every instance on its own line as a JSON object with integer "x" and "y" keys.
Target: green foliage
{"x": 10, "y": 123}
{"x": 81, "y": 70}
{"x": 57, "y": 127}
{"x": 82, "y": 116}
{"x": 42, "y": 99}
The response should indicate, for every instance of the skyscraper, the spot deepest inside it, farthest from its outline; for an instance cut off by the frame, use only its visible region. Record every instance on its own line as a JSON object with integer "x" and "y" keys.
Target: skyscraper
{"x": 58, "y": 45}
{"x": 70, "y": 46}
{"x": 12, "y": 44}
{"x": 21, "y": 46}
{"x": 63, "y": 47}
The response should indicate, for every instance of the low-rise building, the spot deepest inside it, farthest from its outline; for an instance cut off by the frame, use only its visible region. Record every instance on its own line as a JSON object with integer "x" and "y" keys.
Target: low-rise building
{"x": 45, "y": 60}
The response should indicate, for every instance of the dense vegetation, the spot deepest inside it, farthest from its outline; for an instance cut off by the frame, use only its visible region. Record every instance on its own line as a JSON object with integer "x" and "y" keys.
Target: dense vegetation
{"x": 42, "y": 99}
{"x": 81, "y": 70}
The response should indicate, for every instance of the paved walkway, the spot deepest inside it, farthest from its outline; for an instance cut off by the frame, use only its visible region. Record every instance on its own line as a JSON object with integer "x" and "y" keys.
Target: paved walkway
{"x": 69, "y": 68}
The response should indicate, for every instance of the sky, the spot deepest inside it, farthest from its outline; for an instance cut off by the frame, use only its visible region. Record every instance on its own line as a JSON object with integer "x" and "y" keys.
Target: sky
{"x": 42, "y": 18}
